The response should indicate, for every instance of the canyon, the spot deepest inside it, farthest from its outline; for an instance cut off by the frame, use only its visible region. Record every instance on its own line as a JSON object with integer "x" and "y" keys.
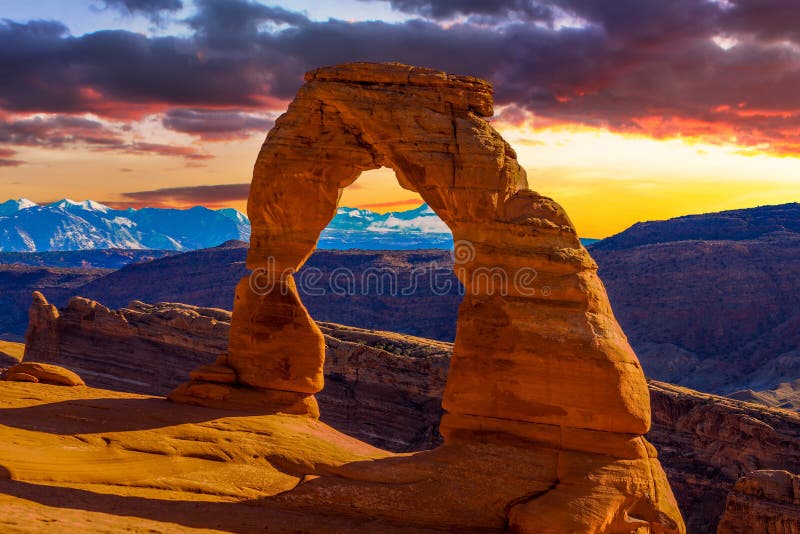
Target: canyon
{"x": 540, "y": 385}
{"x": 667, "y": 289}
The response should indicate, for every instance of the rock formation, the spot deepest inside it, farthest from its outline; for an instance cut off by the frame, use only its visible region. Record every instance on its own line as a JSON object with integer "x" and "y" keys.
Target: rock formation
{"x": 140, "y": 348}
{"x": 42, "y": 372}
{"x": 707, "y": 442}
{"x": 386, "y": 388}
{"x": 763, "y": 502}
{"x": 545, "y": 363}
{"x": 381, "y": 387}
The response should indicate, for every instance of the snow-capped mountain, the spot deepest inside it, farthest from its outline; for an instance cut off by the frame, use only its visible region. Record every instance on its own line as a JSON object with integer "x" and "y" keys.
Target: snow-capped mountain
{"x": 69, "y": 225}
{"x": 87, "y": 225}
{"x": 9, "y": 207}
{"x": 399, "y": 230}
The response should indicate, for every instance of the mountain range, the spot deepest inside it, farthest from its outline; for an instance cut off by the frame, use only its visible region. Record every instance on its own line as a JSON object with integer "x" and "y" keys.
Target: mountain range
{"x": 708, "y": 301}
{"x": 88, "y": 225}
{"x": 68, "y": 225}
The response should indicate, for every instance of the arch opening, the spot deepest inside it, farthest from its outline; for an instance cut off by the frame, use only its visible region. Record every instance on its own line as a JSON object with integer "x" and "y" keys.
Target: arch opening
{"x": 383, "y": 259}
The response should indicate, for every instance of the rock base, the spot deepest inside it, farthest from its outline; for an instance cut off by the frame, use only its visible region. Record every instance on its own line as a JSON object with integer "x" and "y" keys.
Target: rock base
{"x": 215, "y": 386}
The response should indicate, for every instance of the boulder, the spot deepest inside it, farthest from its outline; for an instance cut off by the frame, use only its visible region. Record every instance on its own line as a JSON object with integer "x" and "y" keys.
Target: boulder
{"x": 45, "y": 373}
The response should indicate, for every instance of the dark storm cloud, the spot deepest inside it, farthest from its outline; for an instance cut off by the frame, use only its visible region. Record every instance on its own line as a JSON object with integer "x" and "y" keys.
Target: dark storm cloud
{"x": 118, "y": 73}
{"x": 237, "y": 19}
{"x": 770, "y": 20}
{"x": 152, "y": 9}
{"x": 66, "y": 131}
{"x": 446, "y": 9}
{"x": 214, "y": 125}
{"x": 632, "y": 65}
{"x": 200, "y": 194}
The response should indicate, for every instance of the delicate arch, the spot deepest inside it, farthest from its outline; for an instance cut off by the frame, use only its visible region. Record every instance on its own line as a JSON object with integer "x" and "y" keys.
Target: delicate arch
{"x": 539, "y": 358}
{"x": 512, "y": 346}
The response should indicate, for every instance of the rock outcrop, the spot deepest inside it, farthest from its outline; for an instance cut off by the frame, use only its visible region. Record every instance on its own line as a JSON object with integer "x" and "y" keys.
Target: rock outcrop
{"x": 707, "y": 442}
{"x": 139, "y": 348}
{"x": 763, "y": 502}
{"x": 386, "y": 388}
{"x": 381, "y": 387}
{"x": 544, "y": 362}
{"x": 42, "y": 372}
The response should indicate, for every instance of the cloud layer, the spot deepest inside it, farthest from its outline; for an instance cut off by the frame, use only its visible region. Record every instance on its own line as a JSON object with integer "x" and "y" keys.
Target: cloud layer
{"x": 723, "y": 71}
{"x": 207, "y": 195}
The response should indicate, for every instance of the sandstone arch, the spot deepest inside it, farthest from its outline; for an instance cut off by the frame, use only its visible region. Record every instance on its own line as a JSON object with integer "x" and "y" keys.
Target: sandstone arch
{"x": 552, "y": 367}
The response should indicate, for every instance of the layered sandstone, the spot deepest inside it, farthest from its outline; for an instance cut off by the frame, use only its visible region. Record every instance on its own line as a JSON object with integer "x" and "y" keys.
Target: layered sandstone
{"x": 381, "y": 387}
{"x": 385, "y": 389}
{"x": 544, "y": 363}
{"x": 707, "y": 443}
{"x": 763, "y": 502}
{"x": 140, "y": 348}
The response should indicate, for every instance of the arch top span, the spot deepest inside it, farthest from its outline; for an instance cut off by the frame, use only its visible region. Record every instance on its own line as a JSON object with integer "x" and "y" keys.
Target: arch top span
{"x": 426, "y": 125}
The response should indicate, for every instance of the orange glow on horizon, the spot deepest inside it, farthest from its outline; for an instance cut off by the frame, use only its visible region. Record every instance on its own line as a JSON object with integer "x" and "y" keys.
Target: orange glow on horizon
{"x": 606, "y": 181}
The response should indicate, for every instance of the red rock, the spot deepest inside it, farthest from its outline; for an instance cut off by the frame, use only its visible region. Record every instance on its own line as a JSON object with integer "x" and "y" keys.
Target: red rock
{"x": 46, "y": 373}
{"x": 527, "y": 361}
{"x": 763, "y": 502}
{"x": 12, "y": 376}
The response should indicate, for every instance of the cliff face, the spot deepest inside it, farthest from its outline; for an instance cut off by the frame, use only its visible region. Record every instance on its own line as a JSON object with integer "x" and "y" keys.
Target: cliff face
{"x": 381, "y": 387}
{"x": 139, "y": 348}
{"x": 710, "y": 301}
{"x": 763, "y": 502}
{"x": 386, "y": 389}
{"x": 706, "y": 443}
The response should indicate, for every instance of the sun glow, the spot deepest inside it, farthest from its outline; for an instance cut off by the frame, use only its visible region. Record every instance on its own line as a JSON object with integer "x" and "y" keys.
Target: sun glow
{"x": 608, "y": 181}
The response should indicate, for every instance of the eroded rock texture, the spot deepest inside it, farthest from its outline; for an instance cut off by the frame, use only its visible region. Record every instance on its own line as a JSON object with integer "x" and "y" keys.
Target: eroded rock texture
{"x": 385, "y": 389}
{"x": 545, "y": 363}
{"x": 141, "y": 348}
{"x": 380, "y": 387}
{"x": 763, "y": 502}
{"x": 707, "y": 442}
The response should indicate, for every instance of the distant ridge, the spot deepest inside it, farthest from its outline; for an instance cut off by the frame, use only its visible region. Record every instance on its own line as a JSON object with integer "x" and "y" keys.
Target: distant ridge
{"x": 731, "y": 225}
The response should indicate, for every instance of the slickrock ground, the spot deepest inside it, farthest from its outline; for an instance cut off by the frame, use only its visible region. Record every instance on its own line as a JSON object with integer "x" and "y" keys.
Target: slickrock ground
{"x": 763, "y": 502}
{"x": 381, "y": 387}
{"x": 385, "y": 389}
{"x": 80, "y": 459}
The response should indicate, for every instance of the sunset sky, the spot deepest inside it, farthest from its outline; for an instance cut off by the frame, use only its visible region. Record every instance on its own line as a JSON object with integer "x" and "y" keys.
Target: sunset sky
{"x": 622, "y": 110}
